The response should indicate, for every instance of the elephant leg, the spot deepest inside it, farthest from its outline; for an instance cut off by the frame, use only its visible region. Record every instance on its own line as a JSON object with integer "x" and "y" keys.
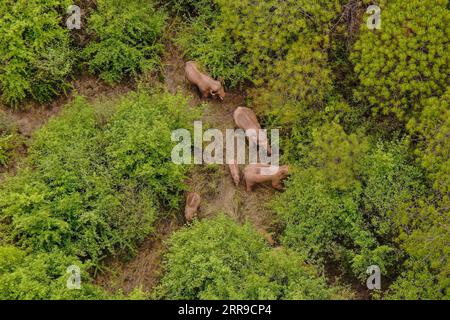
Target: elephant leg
{"x": 249, "y": 186}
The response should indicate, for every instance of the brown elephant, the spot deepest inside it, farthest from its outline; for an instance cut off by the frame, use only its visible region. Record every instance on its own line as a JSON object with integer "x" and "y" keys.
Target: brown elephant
{"x": 261, "y": 173}
{"x": 246, "y": 119}
{"x": 192, "y": 204}
{"x": 205, "y": 83}
{"x": 234, "y": 170}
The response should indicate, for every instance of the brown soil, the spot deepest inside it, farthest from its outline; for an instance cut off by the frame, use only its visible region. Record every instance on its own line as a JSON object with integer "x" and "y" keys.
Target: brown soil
{"x": 31, "y": 115}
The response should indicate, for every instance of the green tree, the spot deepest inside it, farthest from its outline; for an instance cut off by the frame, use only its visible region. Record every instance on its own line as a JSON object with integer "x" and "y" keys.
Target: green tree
{"x": 425, "y": 235}
{"x": 9, "y": 138}
{"x": 341, "y": 203}
{"x": 405, "y": 61}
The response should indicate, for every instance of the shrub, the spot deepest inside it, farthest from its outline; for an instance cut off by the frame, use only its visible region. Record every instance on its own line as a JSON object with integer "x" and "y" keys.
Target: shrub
{"x": 90, "y": 190}
{"x": 127, "y": 37}
{"x": 391, "y": 184}
{"x": 338, "y": 155}
{"x": 139, "y": 144}
{"x": 228, "y": 261}
{"x": 9, "y": 139}
{"x": 42, "y": 276}
{"x": 425, "y": 226}
{"x": 432, "y": 128}
{"x": 188, "y": 8}
{"x": 407, "y": 60}
{"x": 35, "y": 52}
{"x": 342, "y": 205}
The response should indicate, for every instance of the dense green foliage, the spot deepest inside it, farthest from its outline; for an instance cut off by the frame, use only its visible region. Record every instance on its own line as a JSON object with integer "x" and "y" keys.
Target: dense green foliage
{"x": 9, "y": 139}
{"x": 365, "y": 126}
{"x": 127, "y": 39}
{"x": 92, "y": 188}
{"x": 188, "y": 8}
{"x": 407, "y": 60}
{"x": 41, "y": 276}
{"x": 341, "y": 205}
{"x": 219, "y": 259}
{"x": 38, "y": 56}
{"x": 35, "y": 53}
{"x": 425, "y": 226}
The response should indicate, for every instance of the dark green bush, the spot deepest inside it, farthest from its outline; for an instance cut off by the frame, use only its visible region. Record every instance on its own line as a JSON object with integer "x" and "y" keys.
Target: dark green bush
{"x": 187, "y": 8}
{"x": 407, "y": 59}
{"x": 219, "y": 259}
{"x": 425, "y": 226}
{"x": 9, "y": 139}
{"x": 127, "y": 39}
{"x": 44, "y": 276}
{"x": 342, "y": 205}
{"x": 92, "y": 189}
{"x": 35, "y": 53}
{"x": 41, "y": 277}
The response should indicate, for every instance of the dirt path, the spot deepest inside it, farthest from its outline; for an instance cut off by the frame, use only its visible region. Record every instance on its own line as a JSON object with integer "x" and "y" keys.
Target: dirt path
{"x": 213, "y": 182}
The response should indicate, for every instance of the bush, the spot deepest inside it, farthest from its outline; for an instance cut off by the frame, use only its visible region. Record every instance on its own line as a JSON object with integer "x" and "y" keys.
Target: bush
{"x": 391, "y": 184}
{"x": 35, "y": 52}
{"x": 425, "y": 226}
{"x": 42, "y": 277}
{"x": 218, "y": 259}
{"x": 188, "y": 8}
{"x": 424, "y": 237}
{"x": 9, "y": 139}
{"x": 432, "y": 128}
{"x": 127, "y": 37}
{"x": 342, "y": 205}
{"x": 88, "y": 189}
{"x": 407, "y": 60}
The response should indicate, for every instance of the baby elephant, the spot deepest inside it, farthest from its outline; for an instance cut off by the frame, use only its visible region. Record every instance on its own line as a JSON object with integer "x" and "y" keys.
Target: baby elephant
{"x": 234, "y": 170}
{"x": 260, "y": 173}
{"x": 246, "y": 119}
{"x": 192, "y": 204}
{"x": 207, "y": 85}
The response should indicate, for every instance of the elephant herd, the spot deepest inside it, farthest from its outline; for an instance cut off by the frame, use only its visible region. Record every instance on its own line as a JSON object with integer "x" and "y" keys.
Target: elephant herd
{"x": 245, "y": 119}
